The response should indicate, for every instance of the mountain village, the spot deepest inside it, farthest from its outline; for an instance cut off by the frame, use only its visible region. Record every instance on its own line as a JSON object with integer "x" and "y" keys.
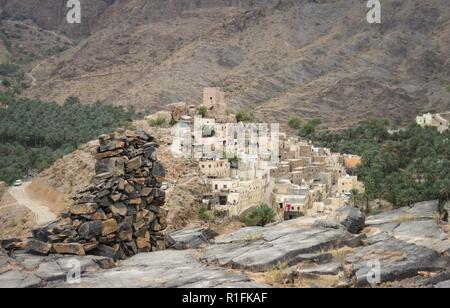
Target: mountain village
{"x": 252, "y": 164}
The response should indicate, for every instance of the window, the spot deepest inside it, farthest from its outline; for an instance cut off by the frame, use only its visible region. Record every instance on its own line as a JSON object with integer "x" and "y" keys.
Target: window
{"x": 216, "y": 186}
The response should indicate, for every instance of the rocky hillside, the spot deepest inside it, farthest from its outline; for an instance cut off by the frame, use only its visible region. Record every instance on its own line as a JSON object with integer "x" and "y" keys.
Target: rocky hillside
{"x": 405, "y": 247}
{"x": 277, "y": 57}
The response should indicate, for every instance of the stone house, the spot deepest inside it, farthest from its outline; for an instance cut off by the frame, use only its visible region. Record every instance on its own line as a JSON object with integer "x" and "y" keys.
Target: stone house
{"x": 218, "y": 168}
{"x": 433, "y": 120}
{"x": 214, "y": 100}
{"x": 347, "y": 183}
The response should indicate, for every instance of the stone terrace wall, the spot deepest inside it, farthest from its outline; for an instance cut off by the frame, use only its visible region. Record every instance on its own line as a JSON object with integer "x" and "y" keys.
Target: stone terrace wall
{"x": 120, "y": 213}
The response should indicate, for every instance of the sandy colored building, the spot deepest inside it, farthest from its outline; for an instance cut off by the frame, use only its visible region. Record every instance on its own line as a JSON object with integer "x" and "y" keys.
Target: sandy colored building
{"x": 433, "y": 120}
{"x": 214, "y": 100}
{"x": 219, "y": 168}
{"x": 348, "y": 183}
{"x": 235, "y": 196}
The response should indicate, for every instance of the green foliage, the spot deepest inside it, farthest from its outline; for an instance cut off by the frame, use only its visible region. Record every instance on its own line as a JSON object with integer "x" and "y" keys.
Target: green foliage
{"x": 448, "y": 88}
{"x": 259, "y": 216}
{"x": 409, "y": 166}
{"x": 205, "y": 215}
{"x": 203, "y": 111}
{"x": 6, "y": 83}
{"x": 309, "y": 129}
{"x": 244, "y": 116}
{"x": 295, "y": 123}
{"x": 8, "y": 69}
{"x": 158, "y": 121}
{"x": 173, "y": 122}
{"x": 33, "y": 134}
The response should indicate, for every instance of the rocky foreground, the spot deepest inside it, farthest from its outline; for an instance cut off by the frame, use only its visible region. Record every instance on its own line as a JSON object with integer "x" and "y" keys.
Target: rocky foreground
{"x": 404, "y": 247}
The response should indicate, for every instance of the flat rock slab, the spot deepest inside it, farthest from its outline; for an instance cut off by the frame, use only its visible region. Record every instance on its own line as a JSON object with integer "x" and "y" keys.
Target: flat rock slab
{"x": 28, "y": 270}
{"x": 393, "y": 259}
{"x": 259, "y": 249}
{"x": 323, "y": 269}
{"x": 17, "y": 279}
{"x": 419, "y": 211}
{"x": 190, "y": 238}
{"x": 165, "y": 269}
{"x": 443, "y": 285}
{"x": 425, "y": 233}
{"x": 415, "y": 225}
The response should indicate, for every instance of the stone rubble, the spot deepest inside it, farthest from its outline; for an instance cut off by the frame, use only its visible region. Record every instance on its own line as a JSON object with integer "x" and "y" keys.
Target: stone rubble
{"x": 120, "y": 214}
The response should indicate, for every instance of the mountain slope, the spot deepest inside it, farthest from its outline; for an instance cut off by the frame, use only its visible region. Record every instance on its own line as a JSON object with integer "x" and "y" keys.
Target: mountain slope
{"x": 278, "y": 58}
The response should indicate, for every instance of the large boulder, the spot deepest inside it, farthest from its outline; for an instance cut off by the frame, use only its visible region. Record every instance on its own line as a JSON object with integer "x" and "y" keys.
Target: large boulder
{"x": 351, "y": 218}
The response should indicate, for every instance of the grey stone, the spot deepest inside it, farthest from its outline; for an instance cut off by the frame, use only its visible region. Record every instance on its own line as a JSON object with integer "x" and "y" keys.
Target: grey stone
{"x": 104, "y": 251}
{"x": 158, "y": 170}
{"x": 443, "y": 285}
{"x": 327, "y": 224}
{"x": 397, "y": 259}
{"x": 133, "y": 164}
{"x": 259, "y": 249}
{"x": 114, "y": 165}
{"x": 4, "y": 259}
{"x": 165, "y": 269}
{"x": 37, "y": 247}
{"x": 416, "y": 224}
{"x": 425, "y": 233}
{"x": 190, "y": 238}
{"x": 90, "y": 229}
{"x": 16, "y": 279}
{"x": 30, "y": 262}
{"x": 438, "y": 278}
{"x": 323, "y": 269}
{"x": 50, "y": 271}
{"x": 419, "y": 211}
{"x": 351, "y": 218}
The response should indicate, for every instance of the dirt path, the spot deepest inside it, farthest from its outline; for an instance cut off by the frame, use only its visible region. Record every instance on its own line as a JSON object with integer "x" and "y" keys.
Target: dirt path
{"x": 30, "y": 74}
{"x": 40, "y": 210}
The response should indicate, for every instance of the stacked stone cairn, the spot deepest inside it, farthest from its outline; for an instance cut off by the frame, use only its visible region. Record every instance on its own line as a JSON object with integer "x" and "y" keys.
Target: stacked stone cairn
{"x": 120, "y": 213}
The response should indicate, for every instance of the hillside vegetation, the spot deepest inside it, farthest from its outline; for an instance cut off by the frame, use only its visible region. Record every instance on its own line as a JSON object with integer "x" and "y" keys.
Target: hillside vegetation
{"x": 33, "y": 134}
{"x": 404, "y": 167}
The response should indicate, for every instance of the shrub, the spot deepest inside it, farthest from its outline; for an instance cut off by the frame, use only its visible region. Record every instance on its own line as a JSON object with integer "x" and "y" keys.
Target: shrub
{"x": 310, "y": 128}
{"x": 295, "y": 123}
{"x": 173, "y": 122}
{"x": 6, "y": 83}
{"x": 260, "y": 216}
{"x": 205, "y": 215}
{"x": 8, "y": 69}
{"x": 244, "y": 116}
{"x": 203, "y": 111}
{"x": 406, "y": 218}
{"x": 448, "y": 88}
{"x": 159, "y": 121}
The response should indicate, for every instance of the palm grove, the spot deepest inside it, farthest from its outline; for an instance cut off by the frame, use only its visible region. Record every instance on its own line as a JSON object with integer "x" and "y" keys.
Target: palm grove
{"x": 33, "y": 134}
{"x": 403, "y": 167}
